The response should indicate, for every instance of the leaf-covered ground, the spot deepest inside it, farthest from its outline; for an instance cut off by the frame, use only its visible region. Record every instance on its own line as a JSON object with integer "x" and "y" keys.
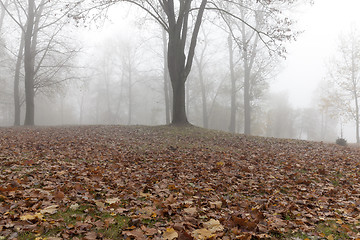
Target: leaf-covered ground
{"x": 113, "y": 182}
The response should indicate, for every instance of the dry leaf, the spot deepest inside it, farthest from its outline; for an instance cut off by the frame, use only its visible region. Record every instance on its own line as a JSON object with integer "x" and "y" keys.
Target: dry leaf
{"x": 112, "y": 200}
{"x": 202, "y": 234}
{"x": 50, "y": 209}
{"x": 213, "y": 226}
{"x": 170, "y": 234}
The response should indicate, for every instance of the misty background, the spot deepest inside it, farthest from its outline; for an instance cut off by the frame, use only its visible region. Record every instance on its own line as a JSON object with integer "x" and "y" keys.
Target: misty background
{"x": 111, "y": 71}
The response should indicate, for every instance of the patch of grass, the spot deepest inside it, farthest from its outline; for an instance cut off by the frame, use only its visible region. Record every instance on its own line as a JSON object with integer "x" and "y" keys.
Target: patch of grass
{"x": 149, "y": 222}
{"x": 332, "y": 228}
{"x": 335, "y": 182}
{"x": 26, "y": 236}
{"x": 114, "y": 230}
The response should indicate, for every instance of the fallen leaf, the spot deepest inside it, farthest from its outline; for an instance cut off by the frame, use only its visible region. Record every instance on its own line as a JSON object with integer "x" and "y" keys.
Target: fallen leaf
{"x": 202, "y": 234}
{"x": 213, "y": 226}
{"x": 190, "y": 211}
{"x": 137, "y": 234}
{"x": 170, "y": 234}
{"x": 112, "y": 200}
{"x": 50, "y": 209}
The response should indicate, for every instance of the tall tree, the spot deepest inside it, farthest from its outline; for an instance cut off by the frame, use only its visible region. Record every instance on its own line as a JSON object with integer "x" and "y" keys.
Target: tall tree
{"x": 233, "y": 85}
{"x": 255, "y": 58}
{"x": 344, "y": 73}
{"x": 44, "y": 20}
{"x": 182, "y": 21}
{"x": 201, "y": 63}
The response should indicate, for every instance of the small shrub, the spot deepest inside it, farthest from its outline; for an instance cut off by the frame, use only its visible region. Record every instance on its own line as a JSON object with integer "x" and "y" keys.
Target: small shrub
{"x": 341, "y": 141}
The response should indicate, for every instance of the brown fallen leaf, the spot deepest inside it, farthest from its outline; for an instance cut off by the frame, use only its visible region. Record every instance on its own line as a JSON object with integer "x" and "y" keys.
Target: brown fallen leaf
{"x": 90, "y": 236}
{"x": 202, "y": 234}
{"x": 213, "y": 226}
{"x": 59, "y": 195}
{"x": 170, "y": 234}
{"x": 138, "y": 234}
{"x": 50, "y": 209}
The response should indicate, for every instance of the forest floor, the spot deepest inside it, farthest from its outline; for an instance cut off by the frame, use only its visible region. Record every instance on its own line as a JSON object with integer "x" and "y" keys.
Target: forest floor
{"x": 114, "y": 182}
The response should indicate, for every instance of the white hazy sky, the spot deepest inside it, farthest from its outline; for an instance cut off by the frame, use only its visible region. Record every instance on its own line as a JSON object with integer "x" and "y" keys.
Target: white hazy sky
{"x": 305, "y": 65}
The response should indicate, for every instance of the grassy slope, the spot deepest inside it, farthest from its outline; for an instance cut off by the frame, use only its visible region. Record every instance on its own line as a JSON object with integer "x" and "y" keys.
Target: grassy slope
{"x": 149, "y": 181}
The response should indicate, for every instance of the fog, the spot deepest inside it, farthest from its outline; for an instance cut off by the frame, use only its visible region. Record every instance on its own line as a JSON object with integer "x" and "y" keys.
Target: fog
{"x": 110, "y": 68}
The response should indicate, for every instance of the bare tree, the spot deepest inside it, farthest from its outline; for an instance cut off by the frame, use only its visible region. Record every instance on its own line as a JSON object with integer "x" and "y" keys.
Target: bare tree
{"x": 44, "y": 20}
{"x": 182, "y": 20}
{"x": 256, "y": 63}
{"x": 344, "y": 73}
{"x": 201, "y": 62}
{"x": 233, "y": 85}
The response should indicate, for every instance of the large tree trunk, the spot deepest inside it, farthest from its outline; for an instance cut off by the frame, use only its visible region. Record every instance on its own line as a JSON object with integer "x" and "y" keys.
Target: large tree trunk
{"x": 179, "y": 113}
{"x": 176, "y": 64}
{"x": 180, "y": 65}
{"x": 232, "y": 125}
{"x": 17, "y": 105}
{"x": 29, "y": 66}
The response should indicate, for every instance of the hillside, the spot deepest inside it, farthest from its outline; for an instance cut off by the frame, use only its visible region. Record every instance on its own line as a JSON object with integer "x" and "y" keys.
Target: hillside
{"x": 114, "y": 182}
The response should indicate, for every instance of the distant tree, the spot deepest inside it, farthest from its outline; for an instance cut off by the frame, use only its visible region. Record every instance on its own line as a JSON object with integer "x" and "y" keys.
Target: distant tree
{"x": 257, "y": 58}
{"x": 45, "y": 55}
{"x": 182, "y": 20}
{"x": 233, "y": 105}
{"x": 280, "y": 119}
{"x": 201, "y": 62}
{"x": 344, "y": 74}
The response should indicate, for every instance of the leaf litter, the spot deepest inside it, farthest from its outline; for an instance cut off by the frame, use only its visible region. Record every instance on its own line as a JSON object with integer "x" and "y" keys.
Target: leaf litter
{"x": 114, "y": 182}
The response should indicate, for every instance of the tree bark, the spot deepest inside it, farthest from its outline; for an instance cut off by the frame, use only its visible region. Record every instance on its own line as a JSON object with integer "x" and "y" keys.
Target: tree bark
{"x": 179, "y": 113}
{"x": 29, "y": 66}
{"x": 17, "y": 105}
{"x": 232, "y": 125}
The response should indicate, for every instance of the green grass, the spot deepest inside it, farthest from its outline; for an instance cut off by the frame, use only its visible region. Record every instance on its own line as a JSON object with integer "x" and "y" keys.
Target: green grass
{"x": 70, "y": 217}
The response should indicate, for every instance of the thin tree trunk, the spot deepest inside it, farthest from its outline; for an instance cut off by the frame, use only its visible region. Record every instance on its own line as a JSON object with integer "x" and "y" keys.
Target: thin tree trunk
{"x": 357, "y": 117}
{"x": 247, "y": 106}
{"x": 17, "y": 105}
{"x": 233, "y": 87}
{"x": 29, "y": 66}
{"x": 203, "y": 92}
{"x": 2, "y": 14}
{"x": 81, "y": 109}
{"x": 121, "y": 91}
{"x": 166, "y": 79}
{"x": 130, "y": 93}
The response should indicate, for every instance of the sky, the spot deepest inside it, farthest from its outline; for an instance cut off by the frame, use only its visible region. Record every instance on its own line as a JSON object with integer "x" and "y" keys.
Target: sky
{"x": 305, "y": 65}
